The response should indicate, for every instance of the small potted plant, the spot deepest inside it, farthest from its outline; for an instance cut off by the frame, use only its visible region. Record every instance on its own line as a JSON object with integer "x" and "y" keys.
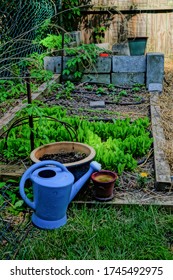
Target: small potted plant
{"x": 104, "y": 182}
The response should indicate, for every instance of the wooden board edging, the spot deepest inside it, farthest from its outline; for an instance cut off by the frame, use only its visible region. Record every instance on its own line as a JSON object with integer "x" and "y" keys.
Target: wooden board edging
{"x": 162, "y": 168}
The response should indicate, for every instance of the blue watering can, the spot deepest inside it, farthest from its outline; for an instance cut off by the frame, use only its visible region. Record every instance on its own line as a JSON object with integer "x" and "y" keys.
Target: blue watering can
{"x": 53, "y": 190}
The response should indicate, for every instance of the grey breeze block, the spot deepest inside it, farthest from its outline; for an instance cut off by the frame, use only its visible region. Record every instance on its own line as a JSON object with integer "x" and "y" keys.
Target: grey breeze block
{"x": 129, "y": 64}
{"x": 53, "y": 63}
{"x": 155, "y": 68}
{"x": 128, "y": 70}
{"x": 103, "y": 65}
{"x": 125, "y": 70}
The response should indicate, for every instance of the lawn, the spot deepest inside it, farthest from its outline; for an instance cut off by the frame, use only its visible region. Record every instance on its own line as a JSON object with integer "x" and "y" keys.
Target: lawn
{"x": 103, "y": 232}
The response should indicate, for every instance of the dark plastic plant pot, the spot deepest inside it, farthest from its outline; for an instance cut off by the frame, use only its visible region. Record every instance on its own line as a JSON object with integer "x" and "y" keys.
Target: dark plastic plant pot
{"x": 137, "y": 46}
{"x": 104, "y": 182}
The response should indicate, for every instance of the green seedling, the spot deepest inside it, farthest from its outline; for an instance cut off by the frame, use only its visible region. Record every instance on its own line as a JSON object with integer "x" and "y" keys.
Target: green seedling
{"x": 100, "y": 90}
{"x": 88, "y": 87}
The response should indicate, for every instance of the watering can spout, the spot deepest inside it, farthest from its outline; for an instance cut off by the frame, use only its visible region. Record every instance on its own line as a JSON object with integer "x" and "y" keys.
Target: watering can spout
{"x": 94, "y": 166}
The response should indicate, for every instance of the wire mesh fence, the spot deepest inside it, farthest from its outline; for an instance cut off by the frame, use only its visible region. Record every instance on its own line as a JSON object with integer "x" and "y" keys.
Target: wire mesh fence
{"x": 20, "y": 23}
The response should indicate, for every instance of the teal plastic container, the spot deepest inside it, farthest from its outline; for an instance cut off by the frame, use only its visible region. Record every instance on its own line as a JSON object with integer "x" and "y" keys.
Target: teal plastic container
{"x": 137, "y": 46}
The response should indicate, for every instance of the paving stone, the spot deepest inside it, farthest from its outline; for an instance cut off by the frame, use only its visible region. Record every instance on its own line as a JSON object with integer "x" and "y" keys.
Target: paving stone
{"x": 97, "y": 104}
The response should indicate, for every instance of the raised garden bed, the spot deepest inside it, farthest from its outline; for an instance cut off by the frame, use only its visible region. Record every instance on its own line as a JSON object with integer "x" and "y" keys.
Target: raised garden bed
{"x": 118, "y": 103}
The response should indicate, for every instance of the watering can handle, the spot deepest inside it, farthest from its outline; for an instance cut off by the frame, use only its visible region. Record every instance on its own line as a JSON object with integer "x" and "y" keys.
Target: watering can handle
{"x": 28, "y": 173}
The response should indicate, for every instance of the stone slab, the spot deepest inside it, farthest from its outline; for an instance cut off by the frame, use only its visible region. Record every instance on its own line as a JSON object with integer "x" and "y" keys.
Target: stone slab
{"x": 134, "y": 64}
{"x": 155, "y": 68}
{"x": 97, "y": 104}
{"x": 162, "y": 168}
{"x": 155, "y": 87}
{"x": 127, "y": 79}
{"x": 96, "y": 78}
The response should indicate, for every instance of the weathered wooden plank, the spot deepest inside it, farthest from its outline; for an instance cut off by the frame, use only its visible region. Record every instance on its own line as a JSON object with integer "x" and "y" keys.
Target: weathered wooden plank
{"x": 162, "y": 169}
{"x": 8, "y": 171}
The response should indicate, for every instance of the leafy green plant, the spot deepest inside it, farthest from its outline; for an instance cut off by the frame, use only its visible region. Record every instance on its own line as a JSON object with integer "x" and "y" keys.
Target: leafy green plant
{"x": 137, "y": 87}
{"x": 119, "y": 96}
{"x": 100, "y": 90}
{"x": 88, "y": 87}
{"x": 111, "y": 87}
{"x": 10, "y": 89}
{"x": 81, "y": 57}
{"x": 98, "y": 34}
{"x": 11, "y": 197}
{"x": 53, "y": 43}
{"x": 117, "y": 144}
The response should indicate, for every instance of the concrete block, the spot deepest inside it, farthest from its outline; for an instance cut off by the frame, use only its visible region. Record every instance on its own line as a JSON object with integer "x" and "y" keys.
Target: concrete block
{"x": 96, "y": 78}
{"x": 53, "y": 63}
{"x": 103, "y": 65}
{"x": 97, "y": 104}
{"x": 155, "y": 87}
{"x": 155, "y": 68}
{"x": 134, "y": 64}
{"x": 121, "y": 49}
{"x": 127, "y": 79}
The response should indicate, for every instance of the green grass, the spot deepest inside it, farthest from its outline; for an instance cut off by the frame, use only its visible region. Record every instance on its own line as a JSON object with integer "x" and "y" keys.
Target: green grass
{"x": 104, "y": 232}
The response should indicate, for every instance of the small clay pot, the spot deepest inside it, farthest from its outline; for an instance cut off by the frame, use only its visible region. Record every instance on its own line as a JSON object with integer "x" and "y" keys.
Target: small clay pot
{"x": 104, "y": 182}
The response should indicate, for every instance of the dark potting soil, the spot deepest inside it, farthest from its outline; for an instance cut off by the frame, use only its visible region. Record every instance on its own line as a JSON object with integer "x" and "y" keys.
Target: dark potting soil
{"x": 64, "y": 157}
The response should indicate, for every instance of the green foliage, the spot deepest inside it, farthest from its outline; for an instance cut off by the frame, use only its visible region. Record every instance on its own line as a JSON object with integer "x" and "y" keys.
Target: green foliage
{"x": 117, "y": 144}
{"x": 53, "y": 42}
{"x": 100, "y": 90}
{"x": 88, "y": 87}
{"x": 11, "y": 197}
{"x": 72, "y": 17}
{"x": 98, "y": 34}
{"x": 11, "y": 89}
{"x": 82, "y": 57}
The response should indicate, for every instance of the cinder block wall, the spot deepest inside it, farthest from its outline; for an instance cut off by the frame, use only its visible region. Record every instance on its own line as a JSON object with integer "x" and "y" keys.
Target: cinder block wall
{"x": 119, "y": 70}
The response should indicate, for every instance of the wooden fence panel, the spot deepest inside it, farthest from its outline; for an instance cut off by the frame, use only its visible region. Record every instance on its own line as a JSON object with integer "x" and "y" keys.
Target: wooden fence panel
{"x": 158, "y": 26}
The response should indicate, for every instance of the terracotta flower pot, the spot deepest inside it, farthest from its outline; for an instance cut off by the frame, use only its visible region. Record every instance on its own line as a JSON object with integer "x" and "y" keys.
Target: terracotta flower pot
{"x": 104, "y": 182}
{"x": 77, "y": 168}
